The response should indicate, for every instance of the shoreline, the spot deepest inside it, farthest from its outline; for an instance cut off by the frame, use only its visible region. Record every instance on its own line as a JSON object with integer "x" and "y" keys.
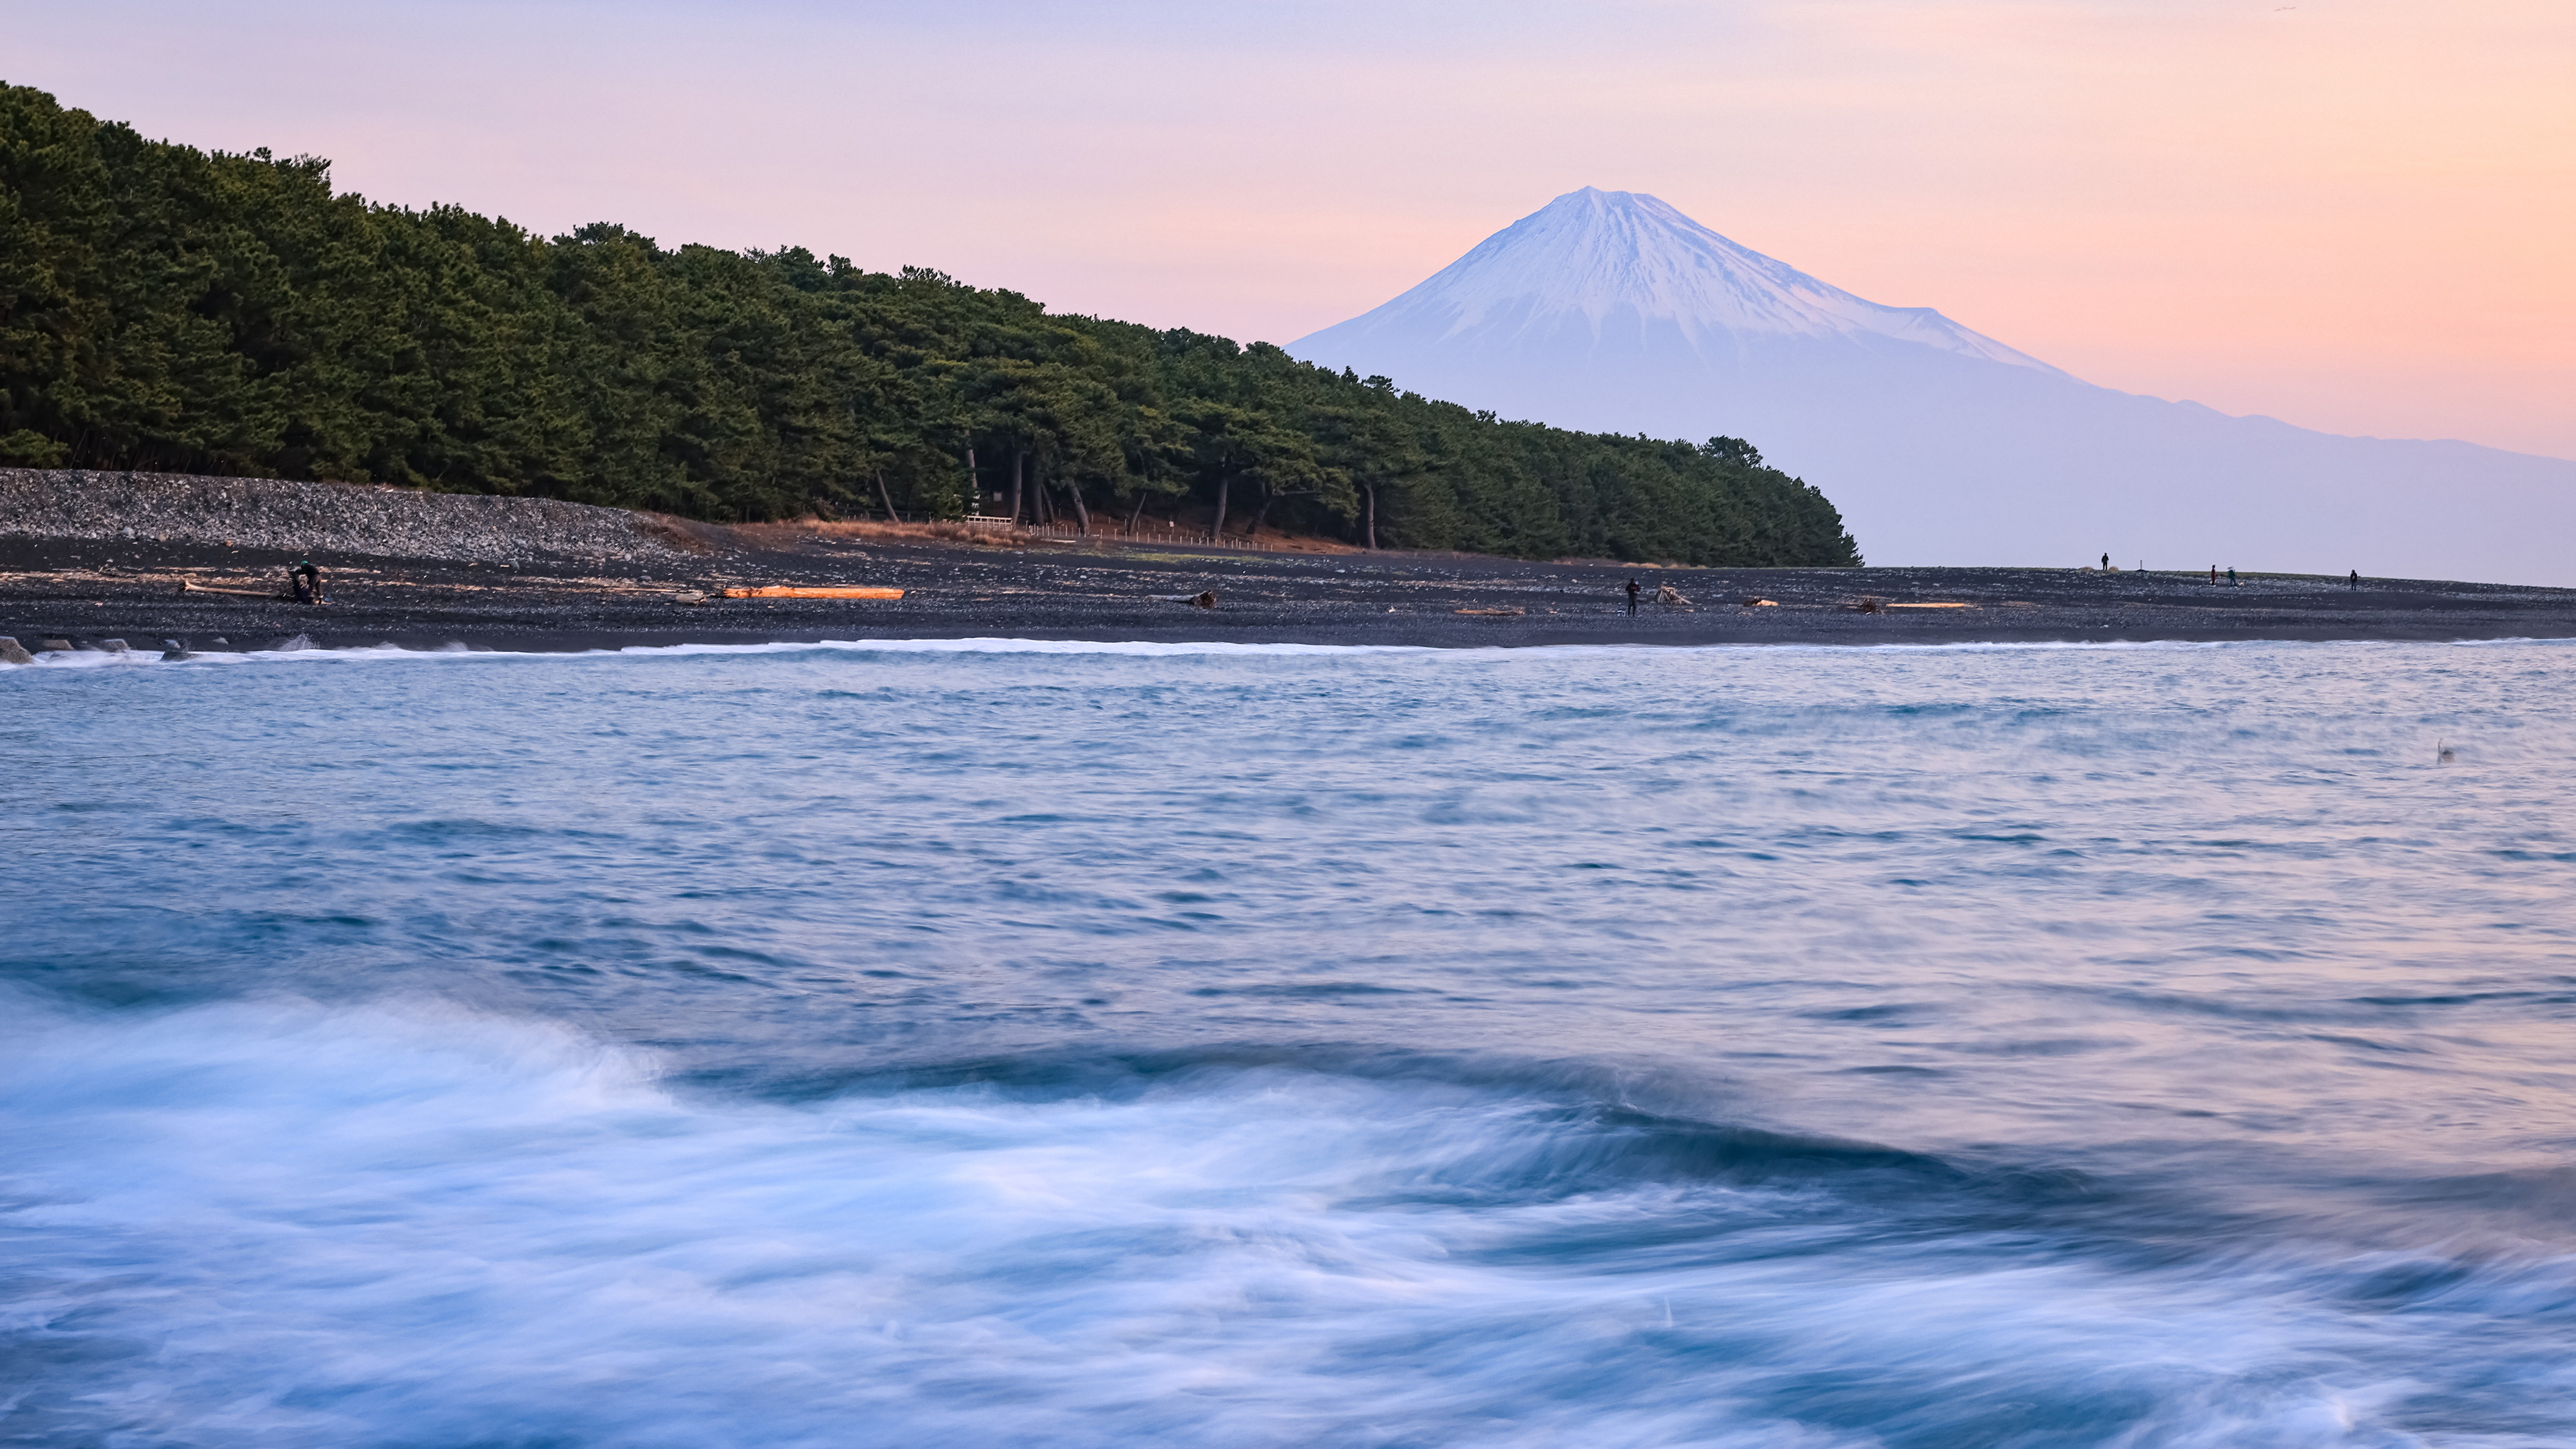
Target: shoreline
{"x": 150, "y": 558}
{"x": 91, "y": 658}
{"x": 1097, "y": 595}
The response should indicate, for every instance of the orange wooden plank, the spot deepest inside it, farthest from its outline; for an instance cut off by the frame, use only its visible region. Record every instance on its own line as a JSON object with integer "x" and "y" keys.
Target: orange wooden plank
{"x": 791, "y": 591}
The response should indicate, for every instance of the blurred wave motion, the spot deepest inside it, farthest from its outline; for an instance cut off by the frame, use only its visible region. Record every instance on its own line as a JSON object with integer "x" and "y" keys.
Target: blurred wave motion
{"x": 984, "y": 1042}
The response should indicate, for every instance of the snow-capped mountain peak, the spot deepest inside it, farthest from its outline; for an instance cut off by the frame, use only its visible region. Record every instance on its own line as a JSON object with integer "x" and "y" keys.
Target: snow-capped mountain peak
{"x": 1612, "y": 312}
{"x": 1597, "y": 254}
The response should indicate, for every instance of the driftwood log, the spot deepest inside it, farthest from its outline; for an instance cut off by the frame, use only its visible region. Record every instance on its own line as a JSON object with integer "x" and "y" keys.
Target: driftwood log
{"x": 791, "y": 591}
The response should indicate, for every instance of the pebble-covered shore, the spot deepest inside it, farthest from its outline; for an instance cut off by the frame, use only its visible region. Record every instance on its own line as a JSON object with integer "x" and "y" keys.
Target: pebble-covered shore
{"x": 90, "y": 557}
{"x": 338, "y": 518}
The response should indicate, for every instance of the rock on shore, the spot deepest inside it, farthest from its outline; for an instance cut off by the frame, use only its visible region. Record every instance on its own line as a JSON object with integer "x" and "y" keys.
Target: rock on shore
{"x": 339, "y": 518}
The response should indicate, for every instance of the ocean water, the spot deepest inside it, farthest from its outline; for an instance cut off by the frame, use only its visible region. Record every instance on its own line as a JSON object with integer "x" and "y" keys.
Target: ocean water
{"x": 986, "y": 1043}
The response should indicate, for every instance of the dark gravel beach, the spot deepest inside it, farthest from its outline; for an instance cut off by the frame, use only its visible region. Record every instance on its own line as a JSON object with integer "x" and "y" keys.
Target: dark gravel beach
{"x": 207, "y": 559}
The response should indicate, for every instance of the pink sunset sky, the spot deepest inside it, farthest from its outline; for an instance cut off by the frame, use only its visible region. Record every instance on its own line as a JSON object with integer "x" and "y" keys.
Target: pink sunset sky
{"x": 2355, "y": 215}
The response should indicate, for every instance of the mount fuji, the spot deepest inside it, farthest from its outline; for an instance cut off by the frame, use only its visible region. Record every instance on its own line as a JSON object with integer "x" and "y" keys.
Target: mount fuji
{"x": 1611, "y": 311}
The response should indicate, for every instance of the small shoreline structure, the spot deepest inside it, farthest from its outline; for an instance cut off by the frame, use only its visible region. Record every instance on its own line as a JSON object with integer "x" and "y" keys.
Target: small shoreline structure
{"x": 182, "y": 561}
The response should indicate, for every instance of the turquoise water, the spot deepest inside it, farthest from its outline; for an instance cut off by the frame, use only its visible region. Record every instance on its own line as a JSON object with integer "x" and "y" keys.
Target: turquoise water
{"x": 977, "y": 1043}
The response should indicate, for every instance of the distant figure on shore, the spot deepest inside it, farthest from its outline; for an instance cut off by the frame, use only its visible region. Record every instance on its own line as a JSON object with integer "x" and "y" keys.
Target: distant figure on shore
{"x": 1632, "y": 598}
{"x": 2231, "y": 577}
{"x": 2213, "y": 573}
{"x": 2356, "y": 581}
{"x": 2106, "y": 563}
{"x": 307, "y": 581}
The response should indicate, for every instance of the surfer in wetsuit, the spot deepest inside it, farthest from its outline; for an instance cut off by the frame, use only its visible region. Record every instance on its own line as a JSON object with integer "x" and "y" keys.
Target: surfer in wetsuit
{"x": 1632, "y": 598}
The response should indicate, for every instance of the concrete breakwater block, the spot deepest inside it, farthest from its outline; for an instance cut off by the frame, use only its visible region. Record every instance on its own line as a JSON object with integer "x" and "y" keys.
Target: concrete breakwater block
{"x": 13, "y": 652}
{"x": 53, "y": 646}
{"x": 115, "y": 646}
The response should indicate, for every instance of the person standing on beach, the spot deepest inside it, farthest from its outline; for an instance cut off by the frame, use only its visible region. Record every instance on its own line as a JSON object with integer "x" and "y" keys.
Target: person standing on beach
{"x": 2213, "y": 573}
{"x": 2106, "y": 563}
{"x": 2356, "y": 581}
{"x": 1632, "y": 598}
{"x": 2231, "y": 577}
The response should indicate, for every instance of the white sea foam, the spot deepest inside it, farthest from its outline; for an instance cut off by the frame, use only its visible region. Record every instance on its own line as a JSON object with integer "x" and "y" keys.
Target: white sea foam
{"x": 2189, "y": 985}
{"x": 280, "y": 1224}
{"x": 1156, "y": 649}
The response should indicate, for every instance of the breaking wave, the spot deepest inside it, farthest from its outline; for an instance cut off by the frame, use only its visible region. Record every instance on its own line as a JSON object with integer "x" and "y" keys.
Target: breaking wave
{"x": 304, "y": 651}
{"x": 276, "y": 1223}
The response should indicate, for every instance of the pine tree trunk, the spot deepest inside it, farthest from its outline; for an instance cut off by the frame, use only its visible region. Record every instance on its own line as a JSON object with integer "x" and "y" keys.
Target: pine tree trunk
{"x": 1372, "y": 518}
{"x": 1081, "y": 515}
{"x": 891, "y": 515}
{"x": 1139, "y": 513}
{"x": 1261, "y": 514}
{"x": 1216, "y": 530}
{"x": 1019, "y": 456}
{"x": 974, "y": 485}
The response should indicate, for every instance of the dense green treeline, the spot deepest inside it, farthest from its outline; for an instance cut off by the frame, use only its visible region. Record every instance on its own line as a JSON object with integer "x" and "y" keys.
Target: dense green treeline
{"x": 164, "y": 308}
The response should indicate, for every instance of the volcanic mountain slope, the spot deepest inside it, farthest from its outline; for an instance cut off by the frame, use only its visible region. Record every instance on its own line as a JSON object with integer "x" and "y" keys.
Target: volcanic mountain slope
{"x": 1613, "y": 311}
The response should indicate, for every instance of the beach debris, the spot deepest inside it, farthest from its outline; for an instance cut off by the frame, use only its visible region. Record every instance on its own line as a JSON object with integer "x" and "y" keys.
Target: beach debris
{"x": 1756, "y": 601}
{"x": 1205, "y": 599}
{"x": 689, "y": 596}
{"x": 1669, "y": 595}
{"x": 1931, "y": 606}
{"x": 190, "y": 586}
{"x": 13, "y": 652}
{"x": 1867, "y": 605}
{"x": 1490, "y": 613}
{"x": 799, "y": 591}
